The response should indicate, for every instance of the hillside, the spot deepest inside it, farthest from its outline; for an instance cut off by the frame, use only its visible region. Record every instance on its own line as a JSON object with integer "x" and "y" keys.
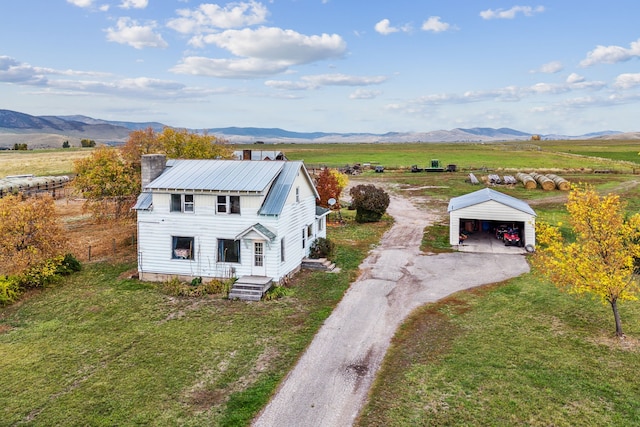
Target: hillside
{"x": 52, "y": 131}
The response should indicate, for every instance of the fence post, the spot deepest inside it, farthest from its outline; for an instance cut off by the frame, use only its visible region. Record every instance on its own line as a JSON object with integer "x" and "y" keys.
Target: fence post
{"x": 89, "y": 252}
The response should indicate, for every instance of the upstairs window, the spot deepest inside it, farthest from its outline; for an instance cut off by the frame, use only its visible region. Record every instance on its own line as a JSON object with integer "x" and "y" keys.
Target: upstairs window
{"x": 228, "y": 204}
{"x": 182, "y": 203}
{"x": 297, "y": 194}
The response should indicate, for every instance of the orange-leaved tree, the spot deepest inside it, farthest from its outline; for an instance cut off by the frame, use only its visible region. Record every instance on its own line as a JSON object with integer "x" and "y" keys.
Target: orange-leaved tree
{"x": 31, "y": 234}
{"x": 600, "y": 261}
{"x": 109, "y": 183}
{"x": 330, "y": 184}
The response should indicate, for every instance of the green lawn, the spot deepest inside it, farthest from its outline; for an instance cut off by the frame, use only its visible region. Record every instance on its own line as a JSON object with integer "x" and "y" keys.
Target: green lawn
{"x": 516, "y": 353}
{"x": 101, "y": 350}
{"x": 98, "y": 349}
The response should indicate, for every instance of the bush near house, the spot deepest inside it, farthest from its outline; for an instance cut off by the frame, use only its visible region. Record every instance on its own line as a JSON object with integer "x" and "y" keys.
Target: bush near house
{"x": 369, "y": 201}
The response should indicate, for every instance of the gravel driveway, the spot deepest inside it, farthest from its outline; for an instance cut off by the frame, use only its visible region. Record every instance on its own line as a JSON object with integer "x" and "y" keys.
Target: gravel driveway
{"x": 330, "y": 382}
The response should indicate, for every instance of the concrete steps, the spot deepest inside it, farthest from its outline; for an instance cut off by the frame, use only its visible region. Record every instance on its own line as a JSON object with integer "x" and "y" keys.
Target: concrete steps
{"x": 322, "y": 264}
{"x": 250, "y": 288}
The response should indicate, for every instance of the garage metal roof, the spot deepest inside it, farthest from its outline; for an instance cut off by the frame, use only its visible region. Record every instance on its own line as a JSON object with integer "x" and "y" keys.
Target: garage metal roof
{"x": 487, "y": 194}
{"x": 217, "y": 175}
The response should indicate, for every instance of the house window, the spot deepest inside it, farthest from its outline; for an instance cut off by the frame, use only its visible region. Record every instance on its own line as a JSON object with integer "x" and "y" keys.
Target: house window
{"x": 182, "y": 247}
{"x": 309, "y": 230}
{"x": 297, "y": 194}
{"x": 282, "y": 250}
{"x": 320, "y": 223}
{"x": 228, "y": 250}
{"x": 228, "y": 204}
{"x": 182, "y": 203}
{"x": 304, "y": 237}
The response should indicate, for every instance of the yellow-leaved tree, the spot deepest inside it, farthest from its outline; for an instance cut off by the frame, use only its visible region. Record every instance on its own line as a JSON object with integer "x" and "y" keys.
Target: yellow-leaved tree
{"x": 182, "y": 144}
{"x": 600, "y": 261}
{"x": 31, "y": 234}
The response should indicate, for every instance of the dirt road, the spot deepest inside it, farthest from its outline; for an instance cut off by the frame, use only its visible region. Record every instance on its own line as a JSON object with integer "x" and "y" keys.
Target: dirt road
{"x": 329, "y": 385}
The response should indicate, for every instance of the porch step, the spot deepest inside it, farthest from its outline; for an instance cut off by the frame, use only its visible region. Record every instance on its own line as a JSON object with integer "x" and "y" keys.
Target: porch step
{"x": 250, "y": 288}
{"x": 320, "y": 264}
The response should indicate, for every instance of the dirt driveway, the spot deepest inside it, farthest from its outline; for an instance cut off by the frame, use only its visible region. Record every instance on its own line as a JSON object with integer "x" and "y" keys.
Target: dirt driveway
{"x": 330, "y": 382}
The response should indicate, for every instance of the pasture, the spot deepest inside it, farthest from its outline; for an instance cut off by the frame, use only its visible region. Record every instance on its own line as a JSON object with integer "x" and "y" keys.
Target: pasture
{"x": 99, "y": 348}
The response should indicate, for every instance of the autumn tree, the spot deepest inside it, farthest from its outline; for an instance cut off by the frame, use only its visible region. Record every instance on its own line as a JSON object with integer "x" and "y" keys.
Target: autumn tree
{"x": 140, "y": 142}
{"x": 330, "y": 184}
{"x": 182, "y": 144}
{"x": 31, "y": 234}
{"x": 600, "y": 261}
{"x": 370, "y": 202}
{"x": 109, "y": 183}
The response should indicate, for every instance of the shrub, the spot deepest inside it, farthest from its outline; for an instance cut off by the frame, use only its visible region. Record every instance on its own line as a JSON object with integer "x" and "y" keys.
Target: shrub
{"x": 277, "y": 292}
{"x": 369, "y": 201}
{"x": 42, "y": 274}
{"x": 196, "y": 287}
{"x": 69, "y": 265}
{"x": 9, "y": 290}
{"x": 321, "y": 248}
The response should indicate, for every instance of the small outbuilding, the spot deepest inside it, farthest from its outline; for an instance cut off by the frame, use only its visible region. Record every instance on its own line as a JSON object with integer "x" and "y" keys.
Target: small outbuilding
{"x": 486, "y": 210}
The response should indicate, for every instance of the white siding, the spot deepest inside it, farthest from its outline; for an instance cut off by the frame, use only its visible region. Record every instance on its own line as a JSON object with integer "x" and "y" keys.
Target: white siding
{"x": 156, "y": 228}
{"x": 491, "y": 211}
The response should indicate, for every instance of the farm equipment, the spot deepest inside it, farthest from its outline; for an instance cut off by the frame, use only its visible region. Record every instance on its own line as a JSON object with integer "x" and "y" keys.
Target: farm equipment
{"x": 435, "y": 166}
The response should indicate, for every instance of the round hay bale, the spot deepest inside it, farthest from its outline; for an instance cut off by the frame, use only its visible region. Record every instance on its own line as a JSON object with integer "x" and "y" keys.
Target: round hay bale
{"x": 526, "y": 179}
{"x": 544, "y": 182}
{"x": 560, "y": 182}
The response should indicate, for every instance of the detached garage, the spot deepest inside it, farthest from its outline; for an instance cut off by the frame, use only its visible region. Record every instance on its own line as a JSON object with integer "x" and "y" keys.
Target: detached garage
{"x": 485, "y": 210}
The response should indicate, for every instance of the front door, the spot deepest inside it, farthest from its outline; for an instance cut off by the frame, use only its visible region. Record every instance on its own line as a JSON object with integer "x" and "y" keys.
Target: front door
{"x": 259, "y": 268}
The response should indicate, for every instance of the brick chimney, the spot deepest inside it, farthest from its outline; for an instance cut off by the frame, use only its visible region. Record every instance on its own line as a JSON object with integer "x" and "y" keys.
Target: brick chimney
{"x": 152, "y": 166}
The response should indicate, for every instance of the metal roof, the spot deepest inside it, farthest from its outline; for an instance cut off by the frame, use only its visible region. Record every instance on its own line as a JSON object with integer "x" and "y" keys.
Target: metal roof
{"x": 277, "y": 196}
{"x": 260, "y": 229}
{"x": 217, "y": 175}
{"x": 144, "y": 202}
{"x": 485, "y": 195}
{"x": 320, "y": 211}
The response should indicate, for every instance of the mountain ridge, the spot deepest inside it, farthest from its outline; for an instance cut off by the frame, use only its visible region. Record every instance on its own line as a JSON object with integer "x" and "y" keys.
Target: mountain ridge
{"x": 21, "y": 127}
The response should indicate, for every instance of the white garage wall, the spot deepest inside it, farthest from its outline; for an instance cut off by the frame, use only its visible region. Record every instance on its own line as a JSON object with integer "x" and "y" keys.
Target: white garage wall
{"x": 491, "y": 211}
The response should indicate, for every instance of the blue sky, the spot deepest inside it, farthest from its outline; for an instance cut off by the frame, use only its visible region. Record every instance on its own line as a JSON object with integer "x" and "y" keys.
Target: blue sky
{"x": 565, "y": 67}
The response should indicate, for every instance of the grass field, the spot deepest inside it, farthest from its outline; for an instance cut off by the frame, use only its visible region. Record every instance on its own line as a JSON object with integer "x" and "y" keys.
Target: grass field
{"x": 101, "y": 349}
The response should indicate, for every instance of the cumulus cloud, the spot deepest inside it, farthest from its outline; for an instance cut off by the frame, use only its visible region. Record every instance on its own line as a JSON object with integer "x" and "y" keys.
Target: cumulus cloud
{"x": 550, "y": 68}
{"x": 320, "y": 80}
{"x": 364, "y": 94}
{"x": 434, "y": 24}
{"x": 511, "y": 13}
{"x": 262, "y": 51}
{"x": 384, "y": 27}
{"x": 611, "y": 54}
{"x": 128, "y": 31}
{"x": 627, "y": 80}
{"x": 575, "y": 78}
{"x": 91, "y": 83}
{"x": 208, "y": 17}
{"x": 81, "y": 3}
{"x": 134, "y": 4}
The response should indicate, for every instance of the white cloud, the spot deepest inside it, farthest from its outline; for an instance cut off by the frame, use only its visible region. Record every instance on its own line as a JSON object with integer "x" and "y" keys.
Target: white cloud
{"x": 229, "y": 68}
{"x": 435, "y": 25}
{"x": 364, "y": 94}
{"x": 129, "y": 32}
{"x": 628, "y": 80}
{"x": 550, "y": 68}
{"x": 384, "y": 27}
{"x": 575, "y": 78}
{"x": 320, "y": 80}
{"x": 611, "y": 54}
{"x": 208, "y": 17}
{"x": 12, "y": 71}
{"x": 263, "y": 51}
{"x": 511, "y": 13}
{"x": 81, "y": 3}
{"x": 134, "y": 4}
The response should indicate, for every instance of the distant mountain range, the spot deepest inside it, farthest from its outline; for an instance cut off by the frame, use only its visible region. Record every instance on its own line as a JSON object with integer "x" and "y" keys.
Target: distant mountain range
{"x": 52, "y": 131}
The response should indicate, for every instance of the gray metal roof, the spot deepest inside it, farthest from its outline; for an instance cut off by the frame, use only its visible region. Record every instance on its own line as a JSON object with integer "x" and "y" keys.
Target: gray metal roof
{"x": 144, "y": 202}
{"x": 320, "y": 211}
{"x": 485, "y": 195}
{"x": 260, "y": 229}
{"x": 217, "y": 175}
{"x": 274, "y": 202}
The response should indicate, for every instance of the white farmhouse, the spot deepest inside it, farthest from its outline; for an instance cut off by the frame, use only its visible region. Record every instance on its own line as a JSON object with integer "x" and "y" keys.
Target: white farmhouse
{"x": 253, "y": 220}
